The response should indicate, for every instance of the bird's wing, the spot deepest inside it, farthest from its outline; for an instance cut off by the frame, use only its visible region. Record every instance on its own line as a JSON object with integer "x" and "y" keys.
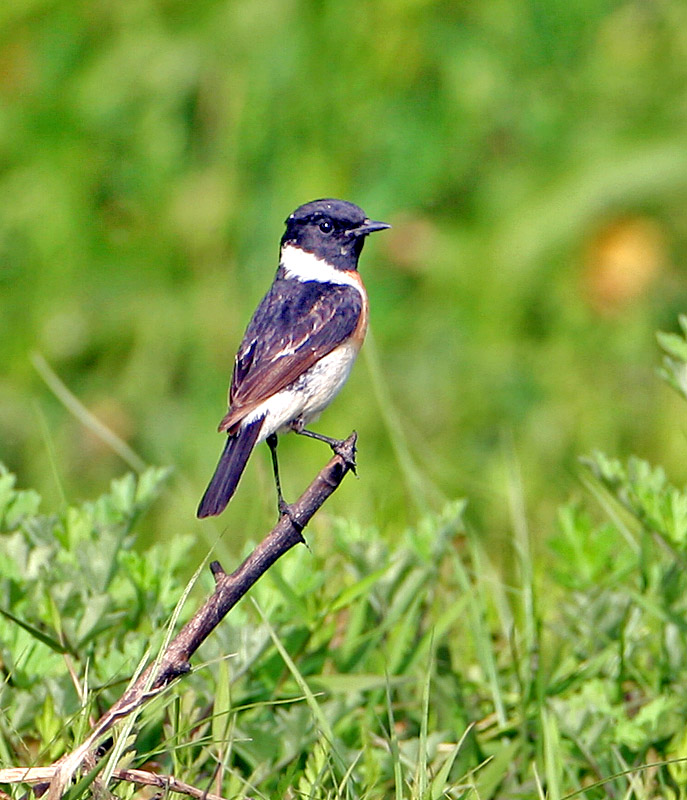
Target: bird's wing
{"x": 295, "y": 325}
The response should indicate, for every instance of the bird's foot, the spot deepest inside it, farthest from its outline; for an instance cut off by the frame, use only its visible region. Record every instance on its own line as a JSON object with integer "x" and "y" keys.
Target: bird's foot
{"x": 344, "y": 448}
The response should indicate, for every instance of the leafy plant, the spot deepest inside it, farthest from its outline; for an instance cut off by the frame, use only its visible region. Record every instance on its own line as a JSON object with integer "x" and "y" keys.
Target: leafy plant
{"x": 367, "y": 667}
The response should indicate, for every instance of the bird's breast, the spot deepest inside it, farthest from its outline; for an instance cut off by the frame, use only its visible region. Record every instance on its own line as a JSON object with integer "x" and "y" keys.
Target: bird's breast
{"x": 310, "y": 394}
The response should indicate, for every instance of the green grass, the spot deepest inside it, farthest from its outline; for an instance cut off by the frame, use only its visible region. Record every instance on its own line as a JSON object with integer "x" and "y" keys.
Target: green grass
{"x": 367, "y": 668}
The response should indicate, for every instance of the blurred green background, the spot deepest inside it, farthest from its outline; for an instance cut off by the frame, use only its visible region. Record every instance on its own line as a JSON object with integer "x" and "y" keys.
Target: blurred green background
{"x": 531, "y": 156}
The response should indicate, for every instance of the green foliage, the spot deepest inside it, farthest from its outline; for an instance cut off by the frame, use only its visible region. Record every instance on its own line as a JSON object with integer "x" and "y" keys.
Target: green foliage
{"x": 367, "y": 667}
{"x": 73, "y": 593}
{"x": 674, "y": 369}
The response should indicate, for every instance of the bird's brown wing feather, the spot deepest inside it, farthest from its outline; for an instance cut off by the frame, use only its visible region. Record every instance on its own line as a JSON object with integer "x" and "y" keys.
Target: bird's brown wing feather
{"x": 295, "y": 325}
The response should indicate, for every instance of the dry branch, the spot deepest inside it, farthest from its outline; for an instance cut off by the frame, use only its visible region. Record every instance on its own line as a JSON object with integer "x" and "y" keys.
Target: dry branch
{"x": 174, "y": 661}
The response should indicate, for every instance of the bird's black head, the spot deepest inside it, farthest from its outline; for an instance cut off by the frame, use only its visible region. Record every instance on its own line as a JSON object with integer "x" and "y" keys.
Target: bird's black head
{"x": 332, "y": 230}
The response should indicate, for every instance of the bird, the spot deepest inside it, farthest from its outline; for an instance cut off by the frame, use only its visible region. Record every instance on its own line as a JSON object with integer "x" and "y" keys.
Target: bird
{"x": 300, "y": 344}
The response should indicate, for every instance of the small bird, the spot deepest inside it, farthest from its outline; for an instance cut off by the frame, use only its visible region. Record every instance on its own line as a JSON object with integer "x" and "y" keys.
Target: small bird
{"x": 300, "y": 344}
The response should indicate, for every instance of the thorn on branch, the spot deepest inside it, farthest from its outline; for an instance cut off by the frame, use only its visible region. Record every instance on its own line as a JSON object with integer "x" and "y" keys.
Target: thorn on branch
{"x": 217, "y": 570}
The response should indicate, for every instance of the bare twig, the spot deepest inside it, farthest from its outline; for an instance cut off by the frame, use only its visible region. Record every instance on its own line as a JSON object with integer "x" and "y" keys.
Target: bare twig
{"x": 174, "y": 661}
{"x": 230, "y": 588}
{"x": 167, "y": 782}
{"x": 139, "y": 776}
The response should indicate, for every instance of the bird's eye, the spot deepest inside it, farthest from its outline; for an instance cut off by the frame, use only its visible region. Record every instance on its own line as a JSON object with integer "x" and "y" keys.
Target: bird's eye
{"x": 326, "y": 226}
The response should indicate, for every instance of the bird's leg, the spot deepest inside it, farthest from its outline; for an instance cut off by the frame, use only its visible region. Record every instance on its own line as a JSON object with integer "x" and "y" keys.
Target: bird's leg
{"x": 283, "y": 507}
{"x": 337, "y": 445}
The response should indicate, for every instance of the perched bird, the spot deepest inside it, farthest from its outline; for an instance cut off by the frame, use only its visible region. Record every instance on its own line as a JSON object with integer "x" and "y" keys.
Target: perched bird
{"x": 300, "y": 344}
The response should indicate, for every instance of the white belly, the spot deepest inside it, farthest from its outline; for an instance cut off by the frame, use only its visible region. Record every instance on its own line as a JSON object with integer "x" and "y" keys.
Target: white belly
{"x": 309, "y": 395}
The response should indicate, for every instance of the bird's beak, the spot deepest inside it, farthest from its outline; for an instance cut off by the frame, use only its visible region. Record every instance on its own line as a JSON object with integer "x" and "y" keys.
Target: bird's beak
{"x": 369, "y": 226}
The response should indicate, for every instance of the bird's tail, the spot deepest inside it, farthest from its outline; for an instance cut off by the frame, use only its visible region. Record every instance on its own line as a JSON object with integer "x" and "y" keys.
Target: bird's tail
{"x": 231, "y": 464}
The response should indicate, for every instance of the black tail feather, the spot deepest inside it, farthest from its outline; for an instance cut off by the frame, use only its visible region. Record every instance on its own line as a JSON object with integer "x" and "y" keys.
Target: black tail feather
{"x": 231, "y": 464}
